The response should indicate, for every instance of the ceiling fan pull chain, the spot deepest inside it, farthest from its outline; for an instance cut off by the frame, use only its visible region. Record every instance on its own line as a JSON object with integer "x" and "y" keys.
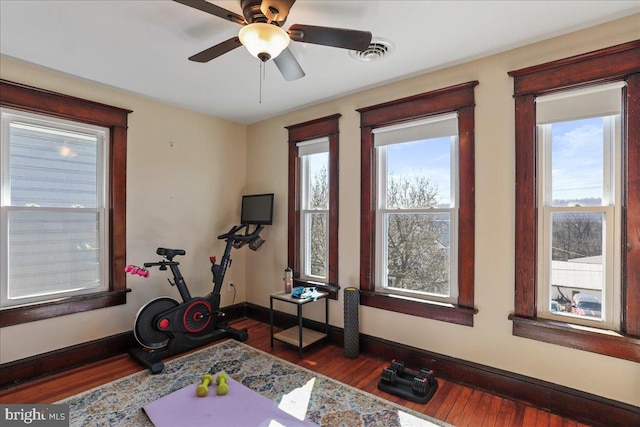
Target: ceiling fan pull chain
{"x": 261, "y": 79}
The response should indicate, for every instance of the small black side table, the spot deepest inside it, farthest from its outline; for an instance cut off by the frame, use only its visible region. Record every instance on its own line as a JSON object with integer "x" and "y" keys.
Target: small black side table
{"x": 299, "y": 336}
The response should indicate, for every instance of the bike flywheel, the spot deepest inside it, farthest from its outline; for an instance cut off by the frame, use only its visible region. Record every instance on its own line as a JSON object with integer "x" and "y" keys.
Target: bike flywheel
{"x": 144, "y": 329}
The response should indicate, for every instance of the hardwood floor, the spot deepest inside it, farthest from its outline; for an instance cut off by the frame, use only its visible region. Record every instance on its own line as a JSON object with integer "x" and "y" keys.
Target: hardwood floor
{"x": 456, "y": 404}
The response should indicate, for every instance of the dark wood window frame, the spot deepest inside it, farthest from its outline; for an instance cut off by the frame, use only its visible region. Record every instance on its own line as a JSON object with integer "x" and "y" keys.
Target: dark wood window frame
{"x": 323, "y": 127}
{"x": 460, "y": 99}
{"x": 617, "y": 63}
{"x": 40, "y": 101}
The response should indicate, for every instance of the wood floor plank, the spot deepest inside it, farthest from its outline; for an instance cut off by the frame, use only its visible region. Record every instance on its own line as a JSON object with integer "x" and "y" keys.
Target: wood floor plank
{"x": 444, "y": 388}
{"x": 517, "y": 420}
{"x": 555, "y": 420}
{"x": 505, "y": 413}
{"x": 457, "y": 410}
{"x": 542, "y": 417}
{"x": 450, "y": 402}
{"x": 492, "y": 413}
{"x": 473, "y": 413}
{"x": 351, "y": 371}
{"x": 530, "y": 417}
{"x": 369, "y": 382}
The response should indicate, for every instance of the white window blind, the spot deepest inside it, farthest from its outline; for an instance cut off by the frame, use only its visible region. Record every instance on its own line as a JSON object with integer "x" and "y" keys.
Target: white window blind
{"x": 432, "y": 127}
{"x": 594, "y": 101}
{"x": 52, "y": 168}
{"x": 313, "y": 146}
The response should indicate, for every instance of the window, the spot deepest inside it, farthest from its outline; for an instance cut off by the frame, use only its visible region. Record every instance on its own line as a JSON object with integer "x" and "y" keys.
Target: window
{"x": 53, "y": 208}
{"x": 313, "y": 203}
{"x": 62, "y": 206}
{"x": 417, "y": 211}
{"x": 417, "y": 208}
{"x": 314, "y": 211}
{"x": 579, "y": 152}
{"x": 577, "y": 202}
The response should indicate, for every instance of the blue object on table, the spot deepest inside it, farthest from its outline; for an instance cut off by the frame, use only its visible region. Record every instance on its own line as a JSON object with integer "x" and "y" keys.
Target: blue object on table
{"x": 303, "y": 292}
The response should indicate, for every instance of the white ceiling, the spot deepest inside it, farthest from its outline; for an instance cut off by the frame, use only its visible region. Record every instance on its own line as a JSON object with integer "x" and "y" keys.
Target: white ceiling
{"x": 142, "y": 46}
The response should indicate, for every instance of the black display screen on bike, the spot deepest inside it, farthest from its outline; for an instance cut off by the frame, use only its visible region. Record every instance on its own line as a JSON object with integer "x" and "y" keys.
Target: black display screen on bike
{"x": 257, "y": 209}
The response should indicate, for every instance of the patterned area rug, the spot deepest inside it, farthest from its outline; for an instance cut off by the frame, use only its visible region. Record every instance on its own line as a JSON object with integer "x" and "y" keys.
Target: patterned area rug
{"x": 331, "y": 403}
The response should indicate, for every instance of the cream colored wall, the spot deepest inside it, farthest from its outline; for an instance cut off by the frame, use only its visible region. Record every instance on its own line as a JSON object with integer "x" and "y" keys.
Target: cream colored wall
{"x": 182, "y": 192}
{"x": 490, "y": 341}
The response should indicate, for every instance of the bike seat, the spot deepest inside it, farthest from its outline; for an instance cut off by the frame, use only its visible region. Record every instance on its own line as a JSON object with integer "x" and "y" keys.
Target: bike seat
{"x": 169, "y": 253}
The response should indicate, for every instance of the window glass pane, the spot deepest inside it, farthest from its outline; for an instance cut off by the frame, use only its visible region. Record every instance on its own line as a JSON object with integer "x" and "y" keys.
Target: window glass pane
{"x": 577, "y": 260}
{"x": 51, "y": 252}
{"x": 317, "y": 244}
{"x": 317, "y": 186}
{"x": 577, "y": 162}
{"x": 52, "y": 168}
{"x": 418, "y": 251}
{"x": 419, "y": 174}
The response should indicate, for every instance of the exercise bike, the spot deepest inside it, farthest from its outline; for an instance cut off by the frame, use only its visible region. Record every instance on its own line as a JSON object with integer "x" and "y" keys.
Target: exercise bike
{"x": 165, "y": 327}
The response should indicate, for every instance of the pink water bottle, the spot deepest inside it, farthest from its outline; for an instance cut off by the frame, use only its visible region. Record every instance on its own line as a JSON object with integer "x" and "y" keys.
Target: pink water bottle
{"x": 288, "y": 280}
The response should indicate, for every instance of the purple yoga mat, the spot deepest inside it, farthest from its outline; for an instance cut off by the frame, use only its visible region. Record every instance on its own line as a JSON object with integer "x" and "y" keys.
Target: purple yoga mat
{"x": 241, "y": 407}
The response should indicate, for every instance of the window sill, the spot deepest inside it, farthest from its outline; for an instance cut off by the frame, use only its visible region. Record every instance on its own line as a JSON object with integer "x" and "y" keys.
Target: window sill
{"x": 599, "y": 341}
{"x": 46, "y": 310}
{"x": 428, "y": 309}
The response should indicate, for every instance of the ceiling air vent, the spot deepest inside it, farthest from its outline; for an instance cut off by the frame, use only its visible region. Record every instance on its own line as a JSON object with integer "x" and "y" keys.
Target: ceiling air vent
{"x": 378, "y": 49}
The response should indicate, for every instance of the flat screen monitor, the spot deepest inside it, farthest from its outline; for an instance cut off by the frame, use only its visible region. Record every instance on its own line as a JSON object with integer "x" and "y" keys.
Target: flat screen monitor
{"x": 257, "y": 209}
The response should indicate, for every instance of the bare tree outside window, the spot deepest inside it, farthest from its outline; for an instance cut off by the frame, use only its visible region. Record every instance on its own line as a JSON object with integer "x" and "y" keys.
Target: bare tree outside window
{"x": 318, "y": 222}
{"x": 576, "y": 235}
{"x": 417, "y": 243}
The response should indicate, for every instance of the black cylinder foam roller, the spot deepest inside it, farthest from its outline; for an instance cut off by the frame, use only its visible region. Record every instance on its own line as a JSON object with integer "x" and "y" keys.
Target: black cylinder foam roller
{"x": 351, "y": 333}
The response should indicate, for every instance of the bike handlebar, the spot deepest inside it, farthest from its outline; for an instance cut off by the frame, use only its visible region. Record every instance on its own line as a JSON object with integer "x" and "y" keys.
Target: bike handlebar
{"x": 233, "y": 233}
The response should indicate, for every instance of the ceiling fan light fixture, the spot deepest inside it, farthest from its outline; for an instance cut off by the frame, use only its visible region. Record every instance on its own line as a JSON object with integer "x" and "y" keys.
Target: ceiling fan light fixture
{"x": 264, "y": 41}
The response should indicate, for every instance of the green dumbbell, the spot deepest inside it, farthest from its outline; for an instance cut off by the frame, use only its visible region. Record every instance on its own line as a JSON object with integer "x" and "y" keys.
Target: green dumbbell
{"x": 223, "y": 387}
{"x": 203, "y": 387}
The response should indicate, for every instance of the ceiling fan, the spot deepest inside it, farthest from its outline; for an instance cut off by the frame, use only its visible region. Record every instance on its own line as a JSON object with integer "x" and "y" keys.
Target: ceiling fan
{"x": 263, "y": 36}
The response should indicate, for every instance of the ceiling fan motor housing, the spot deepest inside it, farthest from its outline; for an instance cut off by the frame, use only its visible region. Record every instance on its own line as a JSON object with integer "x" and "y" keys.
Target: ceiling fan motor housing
{"x": 251, "y": 11}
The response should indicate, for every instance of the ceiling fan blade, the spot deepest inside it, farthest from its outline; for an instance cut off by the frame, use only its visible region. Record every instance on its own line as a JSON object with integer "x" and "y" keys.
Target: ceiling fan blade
{"x": 327, "y": 36}
{"x": 279, "y": 8}
{"x": 211, "y": 8}
{"x": 217, "y": 50}
{"x": 289, "y": 66}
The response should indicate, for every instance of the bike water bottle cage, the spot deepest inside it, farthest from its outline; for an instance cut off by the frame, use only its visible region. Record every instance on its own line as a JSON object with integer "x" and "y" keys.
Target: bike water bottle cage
{"x": 170, "y": 253}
